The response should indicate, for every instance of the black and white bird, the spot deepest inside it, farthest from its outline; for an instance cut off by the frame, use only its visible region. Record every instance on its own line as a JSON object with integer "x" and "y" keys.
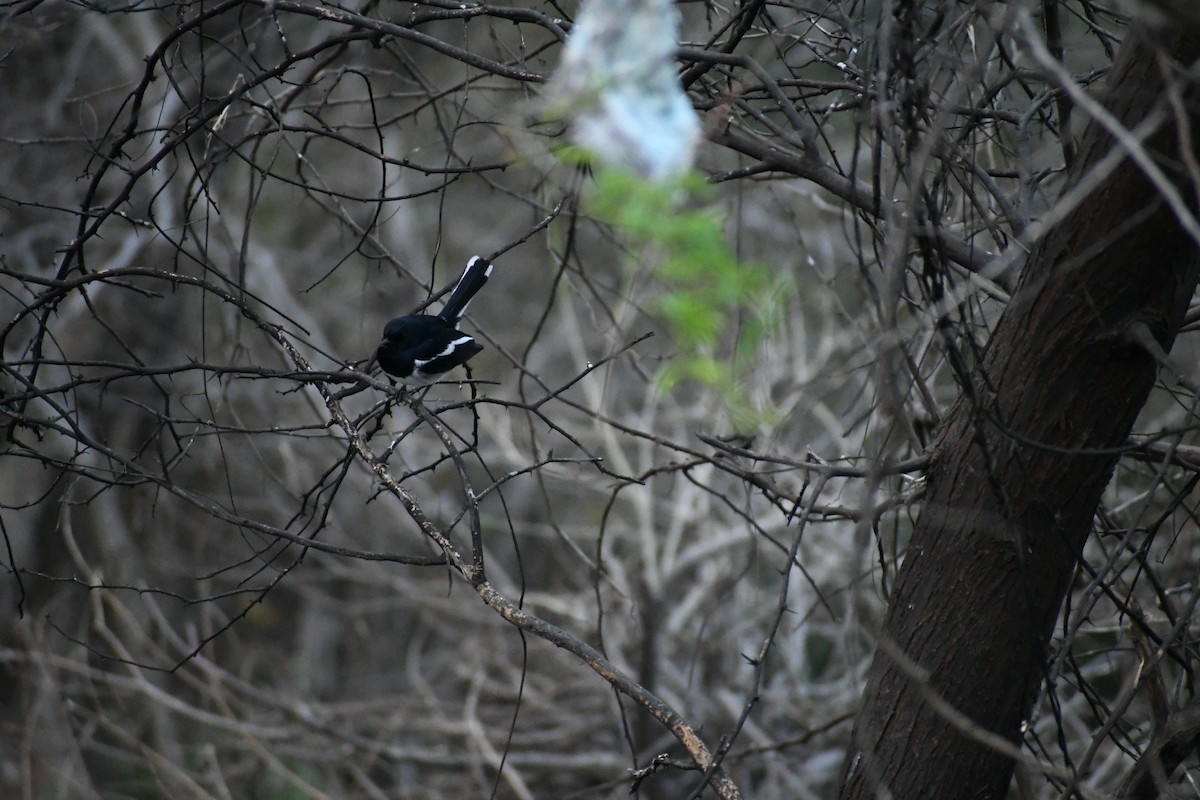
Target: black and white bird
{"x": 419, "y": 349}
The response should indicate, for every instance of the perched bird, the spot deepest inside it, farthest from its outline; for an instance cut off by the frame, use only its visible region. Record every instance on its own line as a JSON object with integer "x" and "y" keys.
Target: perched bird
{"x": 420, "y": 348}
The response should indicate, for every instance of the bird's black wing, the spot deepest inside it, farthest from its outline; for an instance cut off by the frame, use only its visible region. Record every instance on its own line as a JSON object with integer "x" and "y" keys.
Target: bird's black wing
{"x": 435, "y": 343}
{"x": 433, "y": 361}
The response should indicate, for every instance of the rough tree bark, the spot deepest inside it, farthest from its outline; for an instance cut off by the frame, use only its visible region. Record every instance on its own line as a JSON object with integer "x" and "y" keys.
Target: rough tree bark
{"x": 1019, "y": 468}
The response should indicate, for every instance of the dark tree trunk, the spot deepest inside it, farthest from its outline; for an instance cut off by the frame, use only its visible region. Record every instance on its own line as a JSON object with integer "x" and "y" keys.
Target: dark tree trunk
{"x": 1017, "y": 472}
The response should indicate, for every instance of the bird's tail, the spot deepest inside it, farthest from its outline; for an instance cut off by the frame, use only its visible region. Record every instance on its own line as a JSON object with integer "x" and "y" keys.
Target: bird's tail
{"x": 473, "y": 278}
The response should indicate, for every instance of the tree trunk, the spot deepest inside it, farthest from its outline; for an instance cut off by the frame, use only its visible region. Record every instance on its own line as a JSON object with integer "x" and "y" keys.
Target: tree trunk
{"x": 1018, "y": 471}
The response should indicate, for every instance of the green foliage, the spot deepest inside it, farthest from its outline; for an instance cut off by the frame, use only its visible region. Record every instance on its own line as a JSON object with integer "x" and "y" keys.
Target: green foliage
{"x": 718, "y": 309}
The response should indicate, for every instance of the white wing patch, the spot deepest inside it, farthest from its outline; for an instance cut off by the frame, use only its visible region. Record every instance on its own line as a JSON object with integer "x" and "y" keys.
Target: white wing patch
{"x": 450, "y": 348}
